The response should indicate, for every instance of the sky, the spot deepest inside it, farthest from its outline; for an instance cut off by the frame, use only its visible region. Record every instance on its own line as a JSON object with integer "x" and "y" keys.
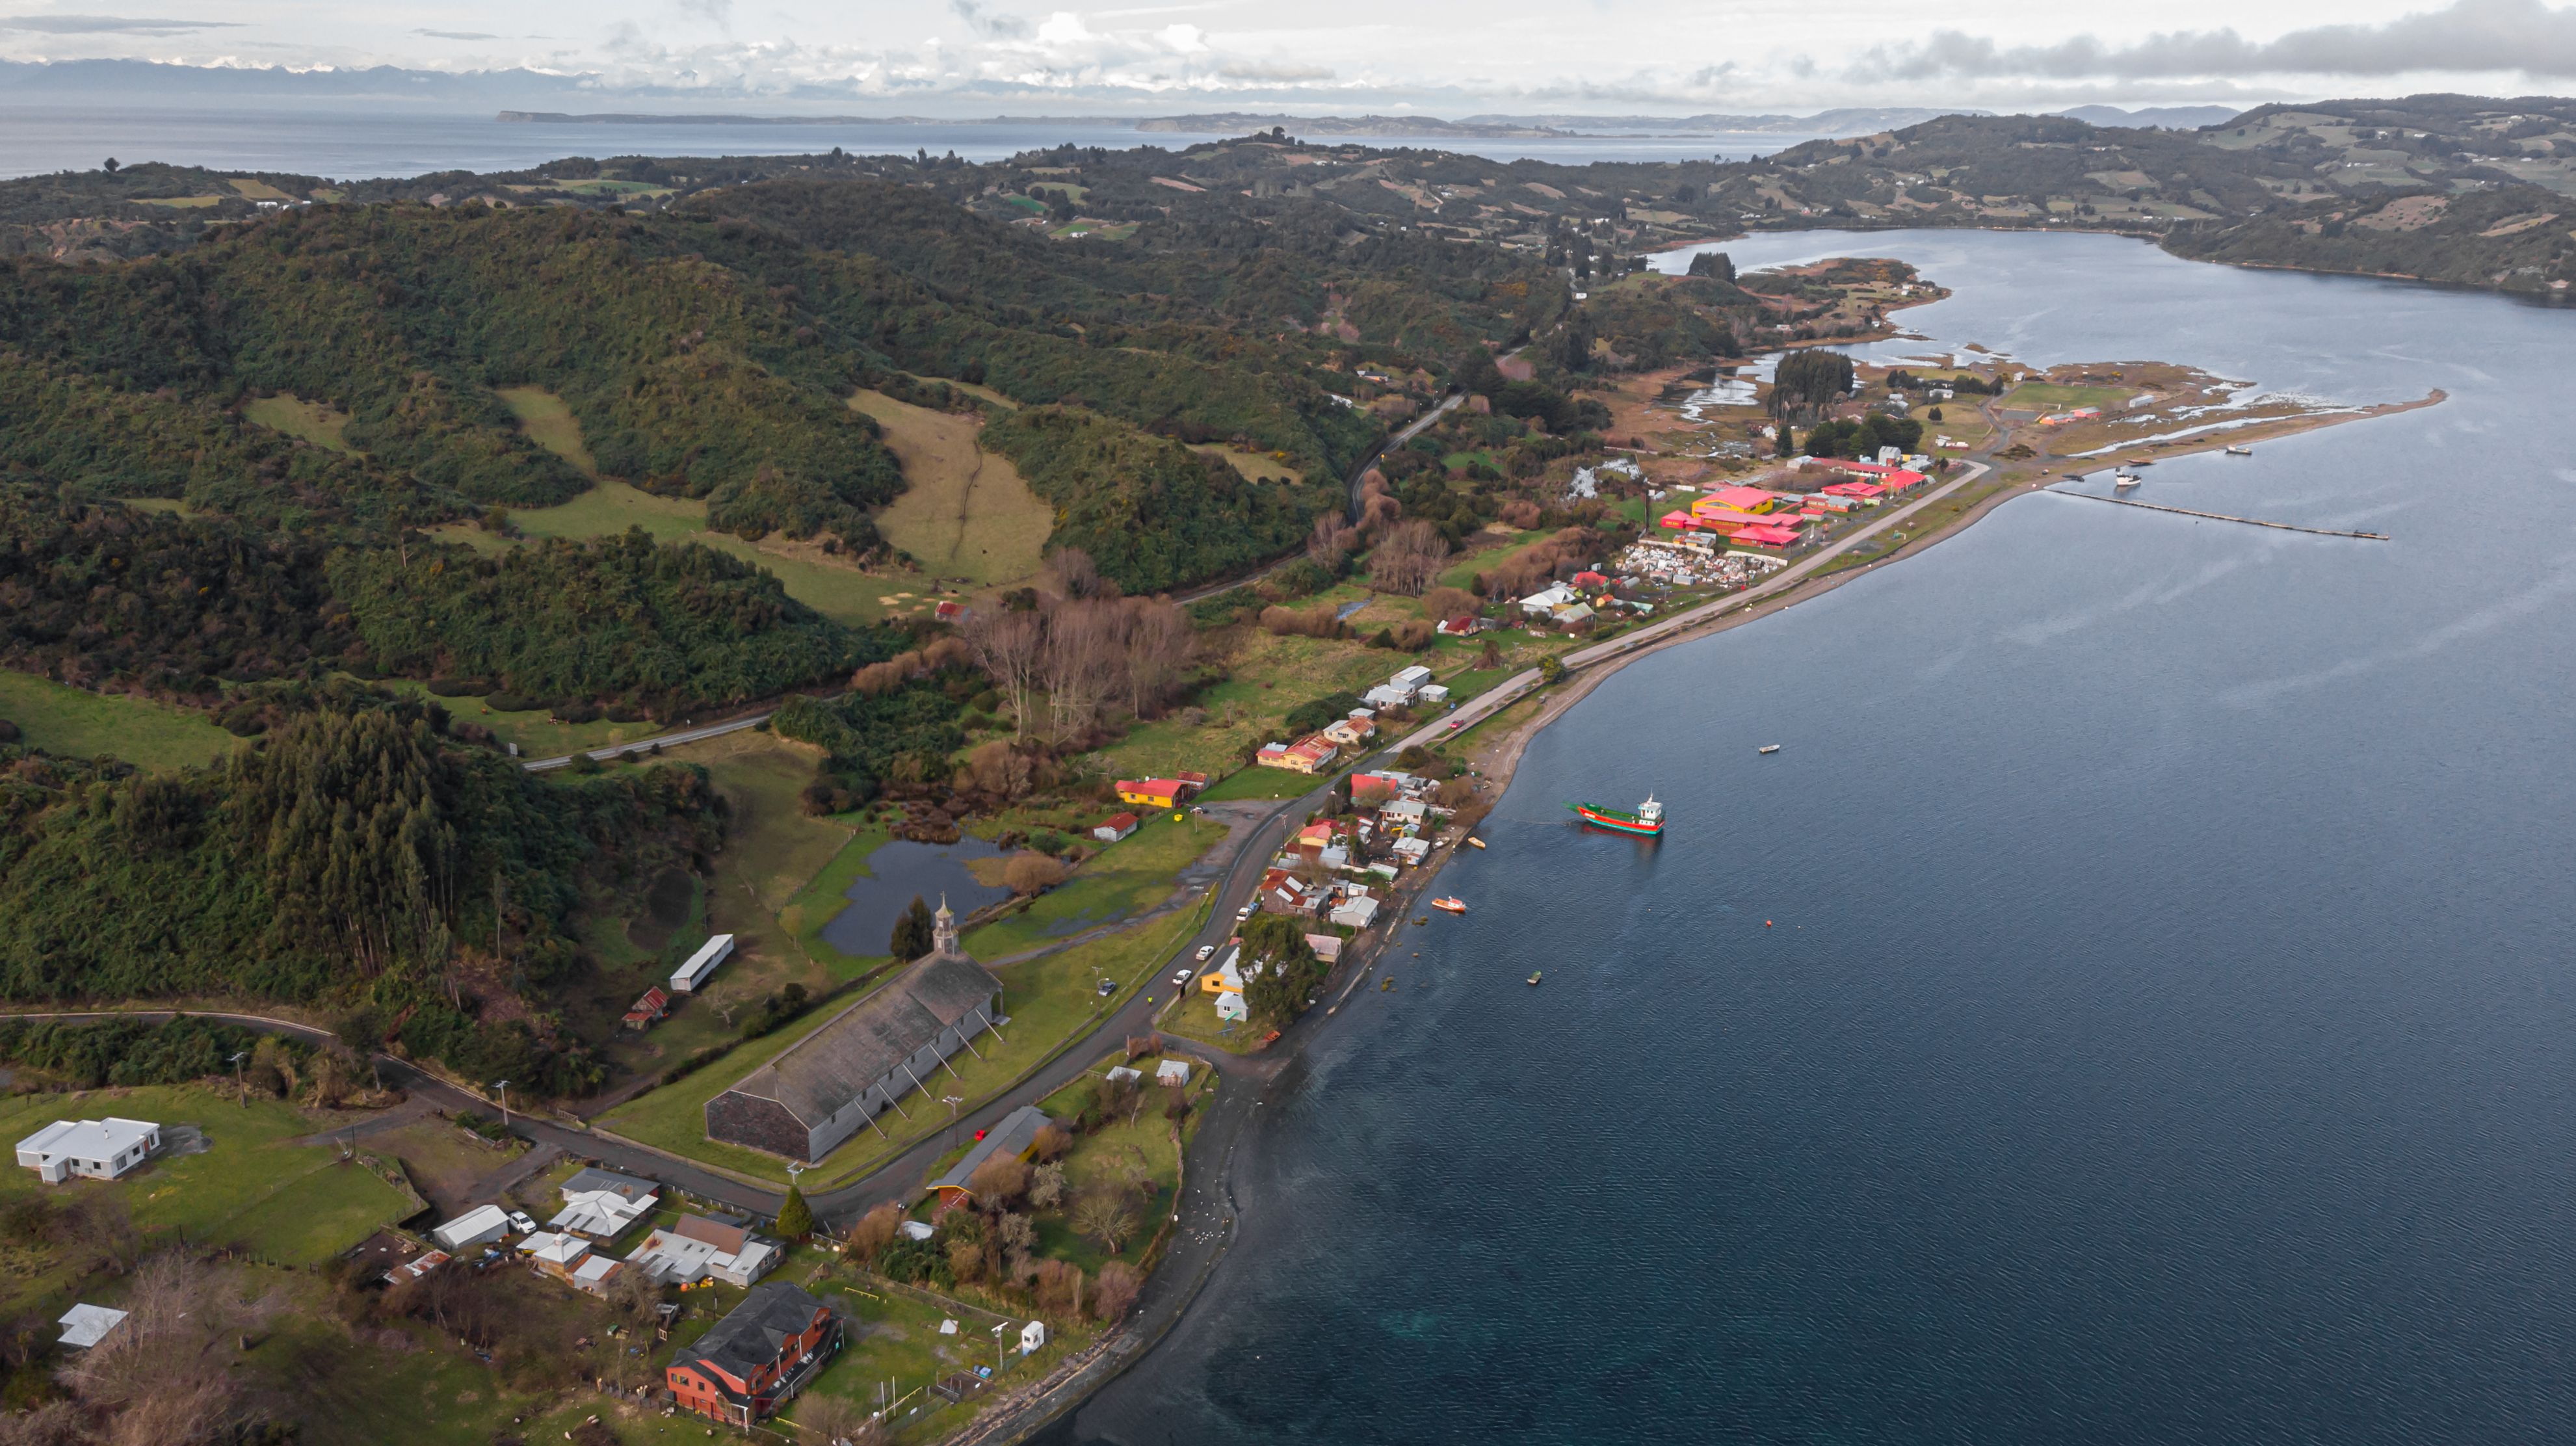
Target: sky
{"x": 1451, "y": 58}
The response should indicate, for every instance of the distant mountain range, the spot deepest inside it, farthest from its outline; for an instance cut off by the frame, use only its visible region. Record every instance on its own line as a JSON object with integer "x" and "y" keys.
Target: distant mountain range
{"x": 1848, "y": 122}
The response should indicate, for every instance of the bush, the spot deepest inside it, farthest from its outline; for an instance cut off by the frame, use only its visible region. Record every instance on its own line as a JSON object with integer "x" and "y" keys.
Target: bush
{"x": 1032, "y": 873}
{"x": 510, "y": 703}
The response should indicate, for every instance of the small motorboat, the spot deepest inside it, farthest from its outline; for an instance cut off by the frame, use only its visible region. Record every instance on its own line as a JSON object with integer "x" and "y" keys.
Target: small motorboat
{"x": 1768, "y": 748}
{"x": 2240, "y": 451}
{"x": 1476, "y": 842}
{"x": 2124, "y": 480}
{"x": 1451, "y": 905}
{"x": 1533, "y": 976}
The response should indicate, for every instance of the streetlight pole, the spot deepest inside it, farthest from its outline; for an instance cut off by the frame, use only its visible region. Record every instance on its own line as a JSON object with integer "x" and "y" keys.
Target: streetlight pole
{"x": 241, "y": 1091}
{"x": 998, "y": 1348}
{"x": 952, "y": 1101}
{"x": 504, "y": 1087}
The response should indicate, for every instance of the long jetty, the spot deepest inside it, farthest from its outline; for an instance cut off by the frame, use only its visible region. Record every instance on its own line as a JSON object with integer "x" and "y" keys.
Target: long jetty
{"x": 2223, "y": 517}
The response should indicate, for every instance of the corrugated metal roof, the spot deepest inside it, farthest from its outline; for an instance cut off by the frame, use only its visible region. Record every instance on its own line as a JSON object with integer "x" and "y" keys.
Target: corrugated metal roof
{"x": 819, "y": 1074}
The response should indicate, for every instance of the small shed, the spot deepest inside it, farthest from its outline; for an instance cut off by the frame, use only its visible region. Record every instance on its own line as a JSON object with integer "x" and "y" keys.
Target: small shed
{"x": 1229, "y": 1005}
{"x": 1016, "y": 1136}
{"x": 86, "y": 1325}
{"x": 1172, "y": 1072}
{"x": 1115, "y": 827}
{"x": 701, "y": 964}
{"x": 1032, "y": 1336}
{"x": 478, "y": 1226}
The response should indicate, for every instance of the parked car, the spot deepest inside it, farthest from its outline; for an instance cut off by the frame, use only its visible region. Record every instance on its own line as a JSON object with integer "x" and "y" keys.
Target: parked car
{"x": 1245, "y": 913}
{"x": 1206, "y": 952}
{"x": 1108, "y": 987}
{"x": 1181, "y": 978}
{"x": 523, "y": 1222}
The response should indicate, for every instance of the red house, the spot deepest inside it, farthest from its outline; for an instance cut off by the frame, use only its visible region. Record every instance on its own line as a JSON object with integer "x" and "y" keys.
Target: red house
{"x": 757, "y": 1358}
{"x": 648, "y": 1011}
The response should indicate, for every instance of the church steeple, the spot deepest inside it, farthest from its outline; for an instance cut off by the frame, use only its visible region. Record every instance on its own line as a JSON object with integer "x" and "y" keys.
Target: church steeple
{"x": 943, "y": 930}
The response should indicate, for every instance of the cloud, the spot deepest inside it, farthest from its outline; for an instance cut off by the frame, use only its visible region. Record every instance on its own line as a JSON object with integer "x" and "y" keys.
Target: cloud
{"x": 108, "y": 25}
{"x": 2469, "y": 36}
{"x": 715, "y": 12}
{"x": 1183, "y": 39}
{"x": 456, "y": 35}
{"x": 985, "y": 21}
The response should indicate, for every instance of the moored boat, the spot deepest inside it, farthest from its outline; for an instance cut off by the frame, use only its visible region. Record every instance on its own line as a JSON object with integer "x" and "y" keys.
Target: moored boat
{"x": 1768, "y": 748}
{"x": 1479, "y": 843}
{"x": 1646, "y": 822}
{"x": 1534, "y": 976}
{"x": 2124, "y": 480}
{"x": 1453, "y": 905}
{"x": 2240, "y": 451}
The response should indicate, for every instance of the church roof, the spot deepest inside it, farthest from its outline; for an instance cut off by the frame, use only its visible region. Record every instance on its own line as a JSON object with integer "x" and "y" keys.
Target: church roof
{"x": 819, "y": 1074}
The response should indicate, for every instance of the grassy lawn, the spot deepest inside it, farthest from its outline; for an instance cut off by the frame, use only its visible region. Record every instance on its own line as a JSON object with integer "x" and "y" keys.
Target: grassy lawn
{"x": 2058, "y": 397}
{"x": 293, "y": 1203}
{"x": 78, "y": 723}
{"x": 894, "y": 1346}
{"x": 1255, "y": 466}
{"x": 1256, "y": 782}
{"x": 1196, "y": 1019}
{"x": 964, "y": 513}
{"x": 1122, "y": 880}
{"x": 537, "y": 734}
{"x": 550, "y": 424}
{"x": 1267, "y": 676}
{"x": 319, "y": 423}
{"x": 441, "y": 1156}
{"x": 1047, "y": 1000}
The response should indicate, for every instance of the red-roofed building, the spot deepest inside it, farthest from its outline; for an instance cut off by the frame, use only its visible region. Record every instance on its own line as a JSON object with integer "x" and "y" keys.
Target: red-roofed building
{"x": 1115, "y": 827}
{"x": 1744, "y": 499}
{"x": 1590, "y": 579}
{"x": 1155, "y": 792}
{"x": 1681, "y": 521}
{"x": 1894, "y": 479}
{"x": 1854, "y": 489}
{"x": 648, "y": 1011}
{"x": 949, "y": 612}
{"x": 757, "y": 1358}
{"x": 1767, "y": 538}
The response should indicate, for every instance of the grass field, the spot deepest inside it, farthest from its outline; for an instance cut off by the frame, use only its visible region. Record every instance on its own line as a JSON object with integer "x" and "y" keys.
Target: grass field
{"x": 1266, "y": 677}
{"x": 2058, "y": 397}
{"x": 894, "y": 1344}
{"x": 1255, "y": 466}
{"x": 319, "y": 423}
{"x": 550, "y": 424}
{"x": 537, "y": 735}
{"x": 1122, "y": 880}
{"x": 295, "y": 1204}
{"x": 1048, "y": 1000}
{"x": 444, "y": 1160}
{"x": 78, "y": 723}
{"x": 825, "y": 894}
{"x": 965, "y": 513}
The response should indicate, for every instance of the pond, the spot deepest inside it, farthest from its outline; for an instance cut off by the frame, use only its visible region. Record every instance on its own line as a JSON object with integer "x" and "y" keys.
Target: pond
{"x": 898, "y": 871}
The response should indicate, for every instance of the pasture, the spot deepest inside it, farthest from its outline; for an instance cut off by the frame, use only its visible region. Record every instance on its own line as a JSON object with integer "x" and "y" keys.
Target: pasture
{"x": 77, "y": 723}
{"x": 319, "y": 423}
{"x": 964, "y": 513}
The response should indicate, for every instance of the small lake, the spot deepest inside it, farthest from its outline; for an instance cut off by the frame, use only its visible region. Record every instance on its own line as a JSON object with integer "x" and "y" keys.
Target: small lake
{"x": 897, "y": 871}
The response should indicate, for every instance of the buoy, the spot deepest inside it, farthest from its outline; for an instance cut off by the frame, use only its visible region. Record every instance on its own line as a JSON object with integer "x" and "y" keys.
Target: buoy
{"x": 1766, "y": 923}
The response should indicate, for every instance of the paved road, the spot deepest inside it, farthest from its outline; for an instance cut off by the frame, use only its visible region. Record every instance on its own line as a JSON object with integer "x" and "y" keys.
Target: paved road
{"x": 1511, "y": 689}
{"x": 646, "y": 745}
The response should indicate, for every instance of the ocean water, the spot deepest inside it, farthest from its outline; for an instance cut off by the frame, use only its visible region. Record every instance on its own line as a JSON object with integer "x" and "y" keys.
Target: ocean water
{"x": 353, "y": 144}
{"x": 2136, "y": 1005}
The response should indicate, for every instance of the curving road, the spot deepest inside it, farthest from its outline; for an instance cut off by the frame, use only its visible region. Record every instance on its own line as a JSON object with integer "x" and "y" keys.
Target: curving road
{"x": 641, "y": 746}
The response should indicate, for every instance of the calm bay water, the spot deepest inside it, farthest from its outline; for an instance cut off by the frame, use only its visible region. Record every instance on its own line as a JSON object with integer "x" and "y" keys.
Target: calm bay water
{"x": 349, "y": 144}
{"x": 2135, "y": 1006}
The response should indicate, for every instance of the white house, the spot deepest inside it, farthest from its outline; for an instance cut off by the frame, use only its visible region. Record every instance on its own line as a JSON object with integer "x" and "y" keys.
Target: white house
{"x": 480, "y": 1225}
{"x": 1411, "y": 850}
{"x": 1413, "y": 677}
{"x": 1431, "y": 693}
{"x": 698, "y": 1248}
{"x": 1546, "y": 601}
{"x": 86, "y": 1325}
{"x": 1356, "y": 912}
{"x": 701, "y": 964}
{"x": 1387, "y": 695}
{"x": 98, "y": 1149}
{"x": 1230, "y": 1005}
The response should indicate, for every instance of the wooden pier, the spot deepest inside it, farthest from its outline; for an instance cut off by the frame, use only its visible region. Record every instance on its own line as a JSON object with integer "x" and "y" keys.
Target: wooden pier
{"x": 2223, "y": 517}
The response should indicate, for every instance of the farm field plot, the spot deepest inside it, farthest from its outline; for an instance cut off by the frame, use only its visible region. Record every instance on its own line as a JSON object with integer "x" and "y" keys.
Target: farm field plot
{"x": 1255, "y": 466}
{"x": 319, "y": 423}
{"x": 964, "y": 513}
{"x": 2057, "y": 396}
{"x": 78, "y": 723}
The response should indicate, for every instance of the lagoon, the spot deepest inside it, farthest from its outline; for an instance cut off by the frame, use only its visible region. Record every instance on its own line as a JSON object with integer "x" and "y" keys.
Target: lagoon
{"x": 899, "y": 871}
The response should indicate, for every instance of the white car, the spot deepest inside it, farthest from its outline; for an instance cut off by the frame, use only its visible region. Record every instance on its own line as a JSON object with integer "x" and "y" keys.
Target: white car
{"x": 1206, "y": 952}
{"x": 1246, "y": 912}
{"x": 523, "y": 1222}
{"x": 1181, "y": 978}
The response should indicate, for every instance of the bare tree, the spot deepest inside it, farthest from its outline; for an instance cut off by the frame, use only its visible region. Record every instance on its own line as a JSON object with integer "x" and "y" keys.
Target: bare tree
{"x": 1408, "y": 557}
{"x": 1076, "y": 575}
{"x": 1161, "y": 645}
{"x": 1443, "y": 603}
{"x": 1115, "y": 1293}
{"x": 1008, "y": 647}
{"x": 1032, "y": 873}
{"x": 874, "y": 1231}
{"x": 1331, "y": 541}
{"x": 724, "y": 1000}
{"x": 1104, "y": 1217}
{"x": 1084, "y": 649}
{"x": 1046, "y": 1186}
{"x": 999, "y": 1181}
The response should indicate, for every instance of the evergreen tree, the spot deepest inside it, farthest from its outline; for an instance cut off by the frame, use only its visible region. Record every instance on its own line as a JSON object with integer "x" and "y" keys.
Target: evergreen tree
{"x": 911, "y": 937}
{"x": 795, "y": 1217}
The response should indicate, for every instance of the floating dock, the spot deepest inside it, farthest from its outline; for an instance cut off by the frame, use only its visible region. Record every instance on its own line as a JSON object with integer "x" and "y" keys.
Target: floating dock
{"x": 2223, "y": 517}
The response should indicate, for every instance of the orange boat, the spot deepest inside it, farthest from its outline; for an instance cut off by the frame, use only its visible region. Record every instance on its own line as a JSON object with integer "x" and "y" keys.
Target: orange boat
{"x": 1453, "y": 905}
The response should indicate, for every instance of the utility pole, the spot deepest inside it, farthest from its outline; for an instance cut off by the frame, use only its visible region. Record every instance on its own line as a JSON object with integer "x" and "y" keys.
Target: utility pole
{"x": 952, "y": 1101}
{"x": 504, "y": 1087}
{"x": 240, "y": 1090}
